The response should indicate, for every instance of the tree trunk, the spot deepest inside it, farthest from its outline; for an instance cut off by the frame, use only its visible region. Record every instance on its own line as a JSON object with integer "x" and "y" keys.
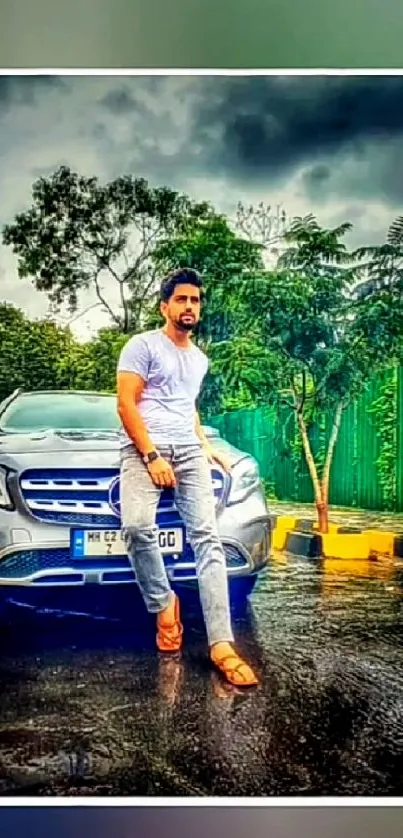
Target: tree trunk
{"x": 321, "y": 506}
{"x": 322, "y": 509}
{"x": 330, "y": 451}
{"x": 321, "y": 487}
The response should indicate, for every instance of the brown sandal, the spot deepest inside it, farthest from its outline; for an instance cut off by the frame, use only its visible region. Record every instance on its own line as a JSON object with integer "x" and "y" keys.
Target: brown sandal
{"x": 169, "y": 636}
{"x": 233, "y": 673}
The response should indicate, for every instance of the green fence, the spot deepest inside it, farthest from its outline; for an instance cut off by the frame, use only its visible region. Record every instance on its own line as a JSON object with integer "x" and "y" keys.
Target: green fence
{"x": 367, "y": 469}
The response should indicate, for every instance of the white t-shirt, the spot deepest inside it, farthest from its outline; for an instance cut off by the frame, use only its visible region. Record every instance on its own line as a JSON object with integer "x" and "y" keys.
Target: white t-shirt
{"x": 174, "y": 377}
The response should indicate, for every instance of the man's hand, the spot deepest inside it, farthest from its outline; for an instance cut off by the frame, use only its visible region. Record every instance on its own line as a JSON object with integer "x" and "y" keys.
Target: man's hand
{"x": 161, "y": 473}
{"x": 219, "y": 457}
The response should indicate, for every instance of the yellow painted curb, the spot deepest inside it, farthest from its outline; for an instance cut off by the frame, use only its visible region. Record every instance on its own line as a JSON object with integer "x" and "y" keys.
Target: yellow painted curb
{"x": 337, "y": 545}
{"x": 381, "y": 542}
{"x": 284, "y": 525}
{"x": 286, "y": 522}
{"x": 346, "y": 545}
{"x": 279, "y": 538}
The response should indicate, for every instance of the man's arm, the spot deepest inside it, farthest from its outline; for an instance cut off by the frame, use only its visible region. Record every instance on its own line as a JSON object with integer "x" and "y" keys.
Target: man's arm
{"x": 211, "y": 453}
{"x": 132, "y": 376}
{"x": 130, "y": 386}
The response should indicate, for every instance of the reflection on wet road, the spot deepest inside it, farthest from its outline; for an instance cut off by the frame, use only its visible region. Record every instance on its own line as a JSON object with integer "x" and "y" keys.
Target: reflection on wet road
{"x": 108, "y": 716}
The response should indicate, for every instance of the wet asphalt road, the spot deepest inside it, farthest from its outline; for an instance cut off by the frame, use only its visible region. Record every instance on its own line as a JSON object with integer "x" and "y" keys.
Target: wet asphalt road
{"x": 93, "y": 710}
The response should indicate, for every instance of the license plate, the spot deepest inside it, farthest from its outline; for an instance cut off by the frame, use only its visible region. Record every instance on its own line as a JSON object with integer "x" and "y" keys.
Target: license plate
{"x": 110, "y": 542}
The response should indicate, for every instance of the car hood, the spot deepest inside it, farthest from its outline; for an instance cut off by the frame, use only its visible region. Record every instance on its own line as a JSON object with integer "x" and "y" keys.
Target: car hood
{"x": 73, "y": 442}
{"x": 43, "y": 441}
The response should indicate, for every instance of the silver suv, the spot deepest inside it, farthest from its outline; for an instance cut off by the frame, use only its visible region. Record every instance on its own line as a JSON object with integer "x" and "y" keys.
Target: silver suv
{"x": 60, "y": 511}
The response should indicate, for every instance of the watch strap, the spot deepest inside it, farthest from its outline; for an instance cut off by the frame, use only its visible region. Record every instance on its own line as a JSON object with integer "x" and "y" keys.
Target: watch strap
{"x": 150, "y": 457}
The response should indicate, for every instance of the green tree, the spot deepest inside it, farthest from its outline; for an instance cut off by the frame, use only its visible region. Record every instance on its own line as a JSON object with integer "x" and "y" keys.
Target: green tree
{"x": 84, "y": 236}
{"x": 35, "y": 355}
{"x": 328, "y": 346}
{"x": 382, "y": 265}
{"x": 262, "y": 224}
{"x": 93, "y": 364}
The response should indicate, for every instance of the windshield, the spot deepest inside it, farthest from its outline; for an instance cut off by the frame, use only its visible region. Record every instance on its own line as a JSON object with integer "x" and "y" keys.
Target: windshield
{"x": 60, "y": 411}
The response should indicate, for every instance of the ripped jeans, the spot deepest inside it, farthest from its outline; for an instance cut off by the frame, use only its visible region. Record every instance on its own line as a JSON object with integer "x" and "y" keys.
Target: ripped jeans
{"x": 194, "y": 499}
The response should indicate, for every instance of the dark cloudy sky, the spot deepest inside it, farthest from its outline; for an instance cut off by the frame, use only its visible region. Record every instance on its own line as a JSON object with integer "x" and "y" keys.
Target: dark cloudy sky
{"x": 330, "y": 145}
{"x": 201, "y": 823}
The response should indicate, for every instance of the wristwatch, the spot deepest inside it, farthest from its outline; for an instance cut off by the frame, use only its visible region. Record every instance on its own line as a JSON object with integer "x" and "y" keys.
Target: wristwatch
{"x": 151, "y": 457}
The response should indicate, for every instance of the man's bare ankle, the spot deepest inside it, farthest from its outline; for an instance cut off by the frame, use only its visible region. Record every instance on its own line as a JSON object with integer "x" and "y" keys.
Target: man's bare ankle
{"x": 169, "y": 611}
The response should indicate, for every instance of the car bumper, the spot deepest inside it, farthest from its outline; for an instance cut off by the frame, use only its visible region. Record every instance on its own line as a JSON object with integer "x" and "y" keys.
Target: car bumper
{"x": 48, "y": 563}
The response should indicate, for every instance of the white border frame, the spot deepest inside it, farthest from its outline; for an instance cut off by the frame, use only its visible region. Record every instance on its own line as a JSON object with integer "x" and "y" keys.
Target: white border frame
{"x": 187, "y": 802}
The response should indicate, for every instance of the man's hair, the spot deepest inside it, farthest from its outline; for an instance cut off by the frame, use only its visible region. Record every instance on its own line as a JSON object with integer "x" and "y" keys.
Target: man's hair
{"x": 182, "y": 276}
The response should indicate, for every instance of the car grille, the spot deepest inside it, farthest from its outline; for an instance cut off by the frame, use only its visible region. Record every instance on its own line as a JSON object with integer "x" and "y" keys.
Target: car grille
{"x": 81, "y": 497}
{"x": 28, "y": 563}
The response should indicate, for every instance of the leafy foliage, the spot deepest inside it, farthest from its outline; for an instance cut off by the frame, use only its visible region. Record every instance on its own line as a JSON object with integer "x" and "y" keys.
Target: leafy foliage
{"x": 327, "y": 347}
{"x": 35, "y": 355}
{"x": 93, "y": 364}
{"x": 384, "y": 411}
{"x": 83, "y": 236}
{"x": 382, "y": 265}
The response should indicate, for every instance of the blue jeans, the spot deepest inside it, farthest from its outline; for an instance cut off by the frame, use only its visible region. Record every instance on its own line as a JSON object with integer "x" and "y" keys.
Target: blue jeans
{"x": 195, "y": 502}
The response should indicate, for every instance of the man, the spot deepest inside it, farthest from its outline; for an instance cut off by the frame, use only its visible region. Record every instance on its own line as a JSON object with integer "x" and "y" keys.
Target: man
{"x": 159, "y": 376}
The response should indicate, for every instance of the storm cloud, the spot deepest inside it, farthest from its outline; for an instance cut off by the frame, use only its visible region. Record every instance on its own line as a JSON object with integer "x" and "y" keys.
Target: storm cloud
{"x": 269, "y": 127}
{"x": 327, "y": 145}
{"x": 248, "y": 130}
{"x": 25, "y": 90}
{"x": 340, "y": 135}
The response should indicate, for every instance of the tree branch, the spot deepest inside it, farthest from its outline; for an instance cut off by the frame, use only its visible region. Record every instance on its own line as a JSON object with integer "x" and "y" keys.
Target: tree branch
{"x": 145, "y": 252}
{"x": 111, "y": 270}
{"x": 287, "y": 403}
{"x": 330, "y": 450}
{"x": 148, "y": 286}
{"x": 126, "y": 321}
{"x": 308, "y": 452}
{"x": 124, "y": 304}
{"x": 106, "y": 305}
{"x": 301, "y": 407}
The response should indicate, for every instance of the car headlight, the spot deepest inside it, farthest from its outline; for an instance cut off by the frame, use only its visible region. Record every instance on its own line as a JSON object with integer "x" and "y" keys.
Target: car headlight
{"x": 5, "y": 500}
{"x": 244, "y": 478}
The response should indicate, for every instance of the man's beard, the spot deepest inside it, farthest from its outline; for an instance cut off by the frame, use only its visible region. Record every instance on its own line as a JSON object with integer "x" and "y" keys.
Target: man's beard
{"x": 185, "y": 325}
